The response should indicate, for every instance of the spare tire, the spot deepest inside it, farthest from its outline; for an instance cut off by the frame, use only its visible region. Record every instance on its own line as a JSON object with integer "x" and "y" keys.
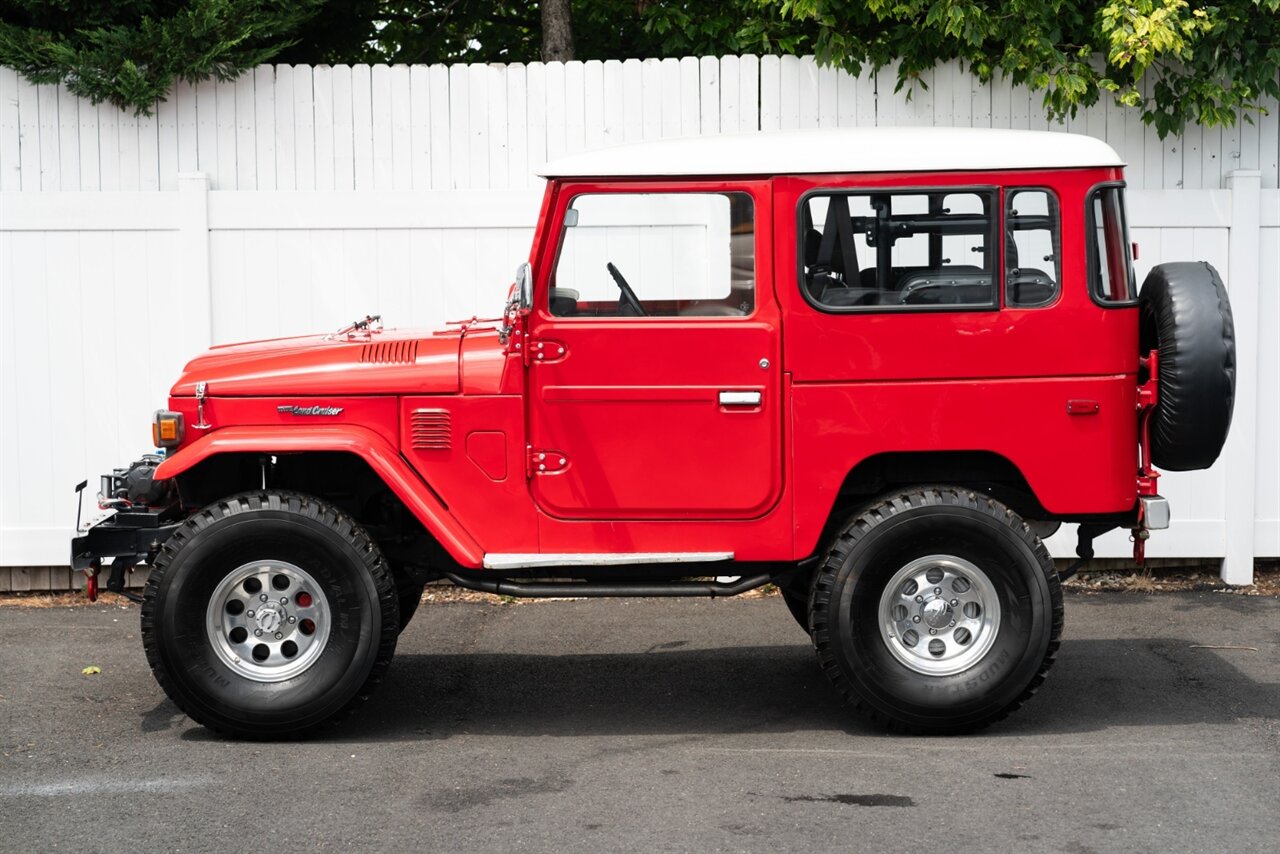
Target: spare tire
{"x": 1185, "y": 315}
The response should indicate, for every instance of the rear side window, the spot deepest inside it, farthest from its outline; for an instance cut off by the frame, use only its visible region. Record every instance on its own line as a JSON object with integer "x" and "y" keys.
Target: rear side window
{"x": 1111, "y": 278}
{"x": 1032, "y": 247}
{"x": 901, "y": 250}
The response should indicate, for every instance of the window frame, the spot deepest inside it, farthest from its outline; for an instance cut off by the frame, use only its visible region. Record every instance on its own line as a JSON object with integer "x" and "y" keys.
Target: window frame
{"x": 543, "y": 303}
{"x": 994, "y": 191}
{"x": 1092, "y": 281}
{"x": 1006, "y": 197}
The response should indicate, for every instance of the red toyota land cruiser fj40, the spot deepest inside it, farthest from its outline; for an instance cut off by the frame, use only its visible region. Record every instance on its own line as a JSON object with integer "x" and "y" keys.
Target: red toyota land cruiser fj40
{"x": 871, "y": 367}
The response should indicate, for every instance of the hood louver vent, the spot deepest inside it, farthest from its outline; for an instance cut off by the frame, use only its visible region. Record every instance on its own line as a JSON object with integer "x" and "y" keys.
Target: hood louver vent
{"x": 389, "y": 353}
{"x": 430, "y": 430}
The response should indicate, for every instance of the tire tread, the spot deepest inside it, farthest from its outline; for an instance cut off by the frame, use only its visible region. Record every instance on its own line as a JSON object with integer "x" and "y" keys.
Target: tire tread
{"x": 861, "y": 524}
{"x": 290, "y": 502}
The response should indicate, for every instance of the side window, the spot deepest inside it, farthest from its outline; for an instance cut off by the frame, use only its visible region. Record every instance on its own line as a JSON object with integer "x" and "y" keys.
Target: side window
{"x": 1111, "y": 278}
{"x": 925, "y": 249}
{"x": 656, "y": 255}
{"x": 1032, "y": 247}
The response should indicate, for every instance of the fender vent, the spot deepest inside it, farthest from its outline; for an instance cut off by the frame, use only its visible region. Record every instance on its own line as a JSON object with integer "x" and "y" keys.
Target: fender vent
{"x": 389, "y": 353}
{"x": 429, "y": 430}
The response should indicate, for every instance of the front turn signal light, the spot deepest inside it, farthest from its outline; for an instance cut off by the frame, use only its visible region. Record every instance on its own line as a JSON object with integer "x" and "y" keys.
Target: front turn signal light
{"x": 166, "y": 429}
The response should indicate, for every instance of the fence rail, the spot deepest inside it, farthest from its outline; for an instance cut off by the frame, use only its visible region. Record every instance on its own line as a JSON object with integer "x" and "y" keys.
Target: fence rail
{"x": 296, "y": 198}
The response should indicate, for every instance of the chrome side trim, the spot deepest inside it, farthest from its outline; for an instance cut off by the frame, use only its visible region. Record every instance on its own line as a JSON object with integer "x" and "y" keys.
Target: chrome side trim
{"x": 1155, "y": 512}
{"x": 535, "y": 561}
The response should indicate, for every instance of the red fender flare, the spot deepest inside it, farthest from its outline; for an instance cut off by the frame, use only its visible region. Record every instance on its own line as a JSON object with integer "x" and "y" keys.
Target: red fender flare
{"x": 381, "y": 456}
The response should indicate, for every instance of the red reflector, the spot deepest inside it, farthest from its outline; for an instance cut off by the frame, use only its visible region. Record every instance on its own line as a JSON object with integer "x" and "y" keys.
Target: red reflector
{"x": 303, "y": 599}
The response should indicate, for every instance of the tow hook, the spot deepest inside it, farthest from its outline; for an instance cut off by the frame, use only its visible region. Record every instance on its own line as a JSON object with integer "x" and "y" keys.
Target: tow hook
{"x": 115, "y": 581}
{"x": 1140, "y": 537}
{"x": 91, "y": 580}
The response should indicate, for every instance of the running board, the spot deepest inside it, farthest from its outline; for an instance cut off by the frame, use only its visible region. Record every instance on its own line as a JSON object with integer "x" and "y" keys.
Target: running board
{"x": 597, "y": 589}
{"x": 542, "y": 561}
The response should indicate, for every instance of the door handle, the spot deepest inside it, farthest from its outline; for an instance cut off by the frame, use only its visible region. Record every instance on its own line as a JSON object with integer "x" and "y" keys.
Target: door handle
{"x": 739, "y": 398}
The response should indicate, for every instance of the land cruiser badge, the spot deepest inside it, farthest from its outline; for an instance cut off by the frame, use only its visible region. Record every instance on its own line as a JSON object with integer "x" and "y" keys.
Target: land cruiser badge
{"x": 290, "y": 409}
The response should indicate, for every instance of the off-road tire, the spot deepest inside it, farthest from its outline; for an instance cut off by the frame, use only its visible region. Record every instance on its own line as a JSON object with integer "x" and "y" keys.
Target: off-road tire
{"x": 1185, "y": 315}
{"x": 269, "y": 525}
{"x": 846, "y": 600}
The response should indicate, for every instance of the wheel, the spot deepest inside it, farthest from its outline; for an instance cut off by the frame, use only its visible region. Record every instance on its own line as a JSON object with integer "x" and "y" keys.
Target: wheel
{"x": 936, "y": 611}
{"x": 1185, "y": 315}
{"x": 269, "y": 614}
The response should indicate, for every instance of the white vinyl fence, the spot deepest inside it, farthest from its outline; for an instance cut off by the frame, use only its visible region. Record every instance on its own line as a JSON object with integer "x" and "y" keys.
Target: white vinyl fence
{"x": 296, "y": 199}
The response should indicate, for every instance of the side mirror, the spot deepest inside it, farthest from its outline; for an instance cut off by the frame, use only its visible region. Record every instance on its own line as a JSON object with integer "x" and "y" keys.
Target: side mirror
{"x": 519, "y": 300}
{"x": 524, "y": 286}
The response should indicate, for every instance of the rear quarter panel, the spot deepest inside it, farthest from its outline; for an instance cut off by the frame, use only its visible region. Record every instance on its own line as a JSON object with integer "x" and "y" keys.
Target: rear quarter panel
{"x": 987, "y": 380}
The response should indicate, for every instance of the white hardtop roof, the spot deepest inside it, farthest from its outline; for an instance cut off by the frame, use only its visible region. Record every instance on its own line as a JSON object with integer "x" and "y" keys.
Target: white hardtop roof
{"x": 840, "y": 150}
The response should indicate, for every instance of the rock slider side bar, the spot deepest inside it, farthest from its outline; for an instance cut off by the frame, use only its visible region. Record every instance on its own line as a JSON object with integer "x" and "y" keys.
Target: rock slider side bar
{"x": 594, "y": 589}
{"x": 539, "y": 561}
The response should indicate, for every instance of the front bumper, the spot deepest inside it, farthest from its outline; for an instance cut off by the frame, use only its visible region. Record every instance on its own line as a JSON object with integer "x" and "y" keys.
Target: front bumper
{"x": 146, "y": 515}
{"x": 134, "y": 536}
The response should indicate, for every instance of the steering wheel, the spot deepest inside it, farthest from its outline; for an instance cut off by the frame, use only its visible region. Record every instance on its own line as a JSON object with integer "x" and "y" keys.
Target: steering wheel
{"x": 628, "y": 296}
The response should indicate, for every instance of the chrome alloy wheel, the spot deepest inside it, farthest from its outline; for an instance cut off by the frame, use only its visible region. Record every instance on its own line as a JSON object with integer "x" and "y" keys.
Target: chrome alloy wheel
{"x": 268, "y": 620}
{"x": 939, "y": 615}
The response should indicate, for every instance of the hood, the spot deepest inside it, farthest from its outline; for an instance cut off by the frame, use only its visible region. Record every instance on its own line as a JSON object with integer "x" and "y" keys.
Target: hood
{"x": 384, "y": 362}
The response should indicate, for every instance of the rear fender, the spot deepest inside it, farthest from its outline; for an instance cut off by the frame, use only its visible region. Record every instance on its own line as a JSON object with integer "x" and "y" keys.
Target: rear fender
{"x": 380, "y": 455}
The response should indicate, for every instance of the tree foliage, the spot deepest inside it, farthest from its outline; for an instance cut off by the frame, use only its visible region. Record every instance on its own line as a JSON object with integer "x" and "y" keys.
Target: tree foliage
{"x": 1172, "y": 60}
{"x": 130, "y": 52}
{"x": 495, "y": 31}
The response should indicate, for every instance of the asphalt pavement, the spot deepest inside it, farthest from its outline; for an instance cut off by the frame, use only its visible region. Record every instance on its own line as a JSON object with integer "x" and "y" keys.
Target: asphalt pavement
{"x": 661, "y": 725}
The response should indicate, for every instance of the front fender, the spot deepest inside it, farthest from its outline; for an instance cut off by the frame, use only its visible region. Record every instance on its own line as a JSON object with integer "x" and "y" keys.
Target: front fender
{"x": 380, "y": 455}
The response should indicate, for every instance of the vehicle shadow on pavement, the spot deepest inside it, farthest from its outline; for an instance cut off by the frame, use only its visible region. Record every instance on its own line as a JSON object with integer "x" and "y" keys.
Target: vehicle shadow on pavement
{"x": 1100, "y": 684}
{"x": 1095, "y": 685}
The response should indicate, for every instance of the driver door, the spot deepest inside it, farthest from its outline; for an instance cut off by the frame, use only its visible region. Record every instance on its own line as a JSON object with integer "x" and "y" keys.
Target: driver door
{"x": 654, "y": 382}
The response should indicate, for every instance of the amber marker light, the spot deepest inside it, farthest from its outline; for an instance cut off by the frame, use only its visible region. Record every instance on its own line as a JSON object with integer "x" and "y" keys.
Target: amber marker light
{"x": 166, "y": 429}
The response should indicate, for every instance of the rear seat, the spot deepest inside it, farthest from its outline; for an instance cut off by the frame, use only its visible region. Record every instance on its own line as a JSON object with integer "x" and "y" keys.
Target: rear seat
{"x": 958, "y": 285}
{"x": 843, "y": 297}
{"x": 1028, "y": 287}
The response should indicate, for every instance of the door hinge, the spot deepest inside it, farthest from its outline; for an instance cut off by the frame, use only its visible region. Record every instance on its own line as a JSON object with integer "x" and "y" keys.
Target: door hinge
{"x": 543, "y": 461}
{"x": 546, "y": 350}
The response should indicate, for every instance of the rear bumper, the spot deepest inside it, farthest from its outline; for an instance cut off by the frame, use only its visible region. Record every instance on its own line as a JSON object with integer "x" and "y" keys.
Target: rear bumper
{"x": 1155, "y": 512}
